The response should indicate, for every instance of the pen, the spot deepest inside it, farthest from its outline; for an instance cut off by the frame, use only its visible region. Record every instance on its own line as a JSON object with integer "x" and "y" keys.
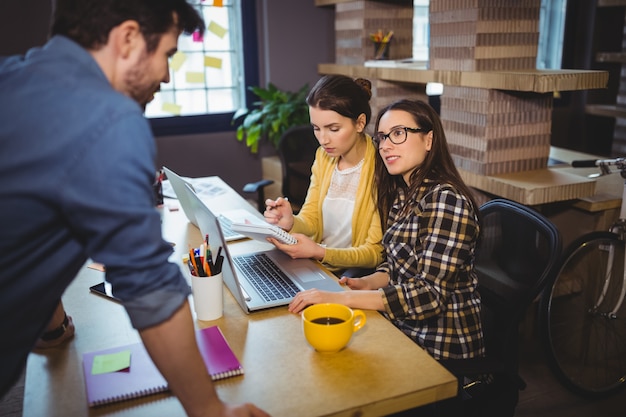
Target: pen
{"x": 274, "y": 206}
{"x": 192, "y": 259}
{"x": 209, "y": 258}
{"x": 218, "y": 264}
{"x": 219, "y": 259}
{"x": 198, "y": 263}
{"x": 187, "y": 261}
{"x": 191, "y": 268}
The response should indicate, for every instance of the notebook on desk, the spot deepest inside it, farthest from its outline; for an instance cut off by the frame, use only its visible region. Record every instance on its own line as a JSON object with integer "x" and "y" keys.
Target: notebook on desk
{"x": 260, "y": 279}
{"x": 179, "y": 186}
{"x": 136, "y": 375}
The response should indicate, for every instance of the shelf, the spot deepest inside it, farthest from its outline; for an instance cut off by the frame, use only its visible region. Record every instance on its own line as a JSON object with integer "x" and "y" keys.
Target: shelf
{"x": 617, "y": 57}
{"x": 533, "y": 188}
{"x": 321, "y": 3}
{"x": 606, "y": 110}
{"x": 608, "y": 190}
{"x": 557, "y": 183}
{"x": 536, "y": 81}
{"x": 611, "y": 3}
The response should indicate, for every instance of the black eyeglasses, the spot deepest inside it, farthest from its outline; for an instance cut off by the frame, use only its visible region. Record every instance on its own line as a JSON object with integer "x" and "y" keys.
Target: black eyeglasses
{"x": 397, "y": 135}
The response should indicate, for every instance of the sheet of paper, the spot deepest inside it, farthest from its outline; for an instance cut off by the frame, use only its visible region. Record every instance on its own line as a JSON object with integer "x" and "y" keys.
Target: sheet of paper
{"x": 241, "y": 216}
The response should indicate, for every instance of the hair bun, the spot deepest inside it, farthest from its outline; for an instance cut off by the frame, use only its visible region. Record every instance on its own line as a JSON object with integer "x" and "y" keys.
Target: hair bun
{"x": 366, "y": 85}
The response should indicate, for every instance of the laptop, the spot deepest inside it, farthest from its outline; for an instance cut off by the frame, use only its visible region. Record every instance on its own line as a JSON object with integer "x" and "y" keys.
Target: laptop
{"x": 179, "y": 185}
{"x": 250, "y": 276}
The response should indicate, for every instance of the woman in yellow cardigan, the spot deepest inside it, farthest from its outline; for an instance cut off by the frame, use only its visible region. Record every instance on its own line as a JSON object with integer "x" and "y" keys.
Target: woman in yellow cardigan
{"x": 338, "y": 223}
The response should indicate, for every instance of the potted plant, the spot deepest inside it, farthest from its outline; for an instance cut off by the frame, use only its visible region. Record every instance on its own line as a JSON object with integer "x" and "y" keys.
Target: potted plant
{"x": 270, "y": 117}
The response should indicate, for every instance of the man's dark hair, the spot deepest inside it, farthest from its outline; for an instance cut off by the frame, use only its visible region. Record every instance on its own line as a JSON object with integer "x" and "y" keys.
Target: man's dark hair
{"x": 89, "y": 22}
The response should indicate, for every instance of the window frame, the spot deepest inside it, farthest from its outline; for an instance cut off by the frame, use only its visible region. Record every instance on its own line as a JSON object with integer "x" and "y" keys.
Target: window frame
{"x": 219, "y": 122}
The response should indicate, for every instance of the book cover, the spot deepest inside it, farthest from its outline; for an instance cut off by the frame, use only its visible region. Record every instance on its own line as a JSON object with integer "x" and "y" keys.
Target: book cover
{"x": 143, "y": 378}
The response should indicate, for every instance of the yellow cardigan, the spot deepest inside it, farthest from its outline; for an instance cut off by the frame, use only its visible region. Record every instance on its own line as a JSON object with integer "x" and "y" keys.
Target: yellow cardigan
{"x": 366, "y": 250}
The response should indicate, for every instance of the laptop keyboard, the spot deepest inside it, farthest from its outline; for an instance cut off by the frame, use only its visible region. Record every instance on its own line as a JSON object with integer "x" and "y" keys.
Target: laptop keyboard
{"x": 266, "y": 277}
{"x": 226, "y": 229}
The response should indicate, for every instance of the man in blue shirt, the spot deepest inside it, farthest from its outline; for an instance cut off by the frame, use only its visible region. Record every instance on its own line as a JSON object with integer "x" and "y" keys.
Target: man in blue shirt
{"x": 77, "y": 165}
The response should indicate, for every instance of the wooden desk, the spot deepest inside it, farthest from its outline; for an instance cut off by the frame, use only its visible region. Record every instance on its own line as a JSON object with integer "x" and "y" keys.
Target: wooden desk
{"x": 380, "y": 372}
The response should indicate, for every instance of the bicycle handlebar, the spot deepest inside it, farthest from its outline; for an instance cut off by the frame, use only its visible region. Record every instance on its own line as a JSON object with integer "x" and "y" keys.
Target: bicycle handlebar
{"x": 588, "y": 163}
{"x": 603, "y": 164}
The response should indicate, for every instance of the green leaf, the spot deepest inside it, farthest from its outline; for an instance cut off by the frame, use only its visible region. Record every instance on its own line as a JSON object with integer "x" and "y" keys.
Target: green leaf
{"x": 272, "y": 115}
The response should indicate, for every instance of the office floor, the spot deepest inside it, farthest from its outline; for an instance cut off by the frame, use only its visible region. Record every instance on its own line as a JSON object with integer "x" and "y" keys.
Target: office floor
{"x": 543, "y": 397}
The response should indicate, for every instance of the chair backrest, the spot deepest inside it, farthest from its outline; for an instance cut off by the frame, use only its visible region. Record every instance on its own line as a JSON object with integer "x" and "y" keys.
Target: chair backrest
{"x": 517, "y": 255}
{"x": 296, "y": 150}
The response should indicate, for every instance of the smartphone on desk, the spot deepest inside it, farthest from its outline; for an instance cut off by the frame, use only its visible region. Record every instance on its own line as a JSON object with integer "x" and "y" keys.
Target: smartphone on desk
{"x": 103, "y": 289}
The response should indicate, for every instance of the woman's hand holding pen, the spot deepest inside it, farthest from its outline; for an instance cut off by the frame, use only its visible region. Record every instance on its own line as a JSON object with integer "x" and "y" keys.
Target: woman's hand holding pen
{"x": 279, "y": 212}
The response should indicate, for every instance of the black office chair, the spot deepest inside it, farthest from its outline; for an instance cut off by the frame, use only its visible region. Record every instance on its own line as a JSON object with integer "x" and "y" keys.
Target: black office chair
{"x": 296, "y": 149}
{"x": 515, "y": 258}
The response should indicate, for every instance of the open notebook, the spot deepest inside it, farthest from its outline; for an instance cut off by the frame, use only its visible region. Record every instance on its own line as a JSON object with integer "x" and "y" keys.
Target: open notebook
{"x": 142, "y": 377}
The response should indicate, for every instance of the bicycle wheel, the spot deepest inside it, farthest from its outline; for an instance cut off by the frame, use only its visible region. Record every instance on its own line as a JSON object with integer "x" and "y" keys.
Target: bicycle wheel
{"x": 585, "y": 345}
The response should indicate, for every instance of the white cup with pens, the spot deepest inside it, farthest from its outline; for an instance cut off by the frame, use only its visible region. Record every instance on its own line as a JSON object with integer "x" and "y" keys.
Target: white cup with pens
{"x": 206, "y": 282}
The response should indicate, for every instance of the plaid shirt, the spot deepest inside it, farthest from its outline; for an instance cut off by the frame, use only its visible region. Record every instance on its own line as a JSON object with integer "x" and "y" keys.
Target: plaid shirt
{"x": 432, "y": 295}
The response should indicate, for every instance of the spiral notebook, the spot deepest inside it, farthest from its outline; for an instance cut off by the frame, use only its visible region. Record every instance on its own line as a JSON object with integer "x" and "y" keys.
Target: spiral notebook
{"x": 142, "y": 377}
{"x": 261, "y": 231}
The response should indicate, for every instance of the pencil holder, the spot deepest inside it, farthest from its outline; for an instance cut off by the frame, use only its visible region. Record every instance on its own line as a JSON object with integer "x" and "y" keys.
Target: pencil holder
{"x": 381, "y": 50}
{"x": 208, "y": 296}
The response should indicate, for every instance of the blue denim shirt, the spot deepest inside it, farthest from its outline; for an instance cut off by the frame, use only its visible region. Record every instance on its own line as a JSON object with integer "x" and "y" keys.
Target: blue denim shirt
{"x": 76, "y": 169}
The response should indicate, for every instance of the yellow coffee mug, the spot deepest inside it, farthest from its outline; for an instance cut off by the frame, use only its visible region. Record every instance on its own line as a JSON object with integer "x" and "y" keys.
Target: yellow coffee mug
{"x": 328, "y": 327}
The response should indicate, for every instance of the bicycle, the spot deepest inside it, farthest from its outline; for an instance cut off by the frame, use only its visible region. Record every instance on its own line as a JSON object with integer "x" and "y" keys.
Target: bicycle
{"x": 582, "y": 312}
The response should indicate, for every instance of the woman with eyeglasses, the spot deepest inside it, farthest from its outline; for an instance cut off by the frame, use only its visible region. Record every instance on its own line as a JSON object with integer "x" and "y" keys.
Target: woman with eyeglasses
{"x": 427, "y": 285}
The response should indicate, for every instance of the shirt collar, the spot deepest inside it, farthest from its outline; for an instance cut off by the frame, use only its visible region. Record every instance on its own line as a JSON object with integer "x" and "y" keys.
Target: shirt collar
{"x": 70, "y": 50}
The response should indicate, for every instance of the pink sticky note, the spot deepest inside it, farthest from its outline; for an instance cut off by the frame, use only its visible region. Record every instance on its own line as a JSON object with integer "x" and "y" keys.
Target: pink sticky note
{"x": 197, "y": 36}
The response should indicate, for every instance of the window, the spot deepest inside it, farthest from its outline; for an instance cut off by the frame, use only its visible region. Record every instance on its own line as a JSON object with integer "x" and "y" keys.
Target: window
{"x": 551, "y": 32}
{"x": 421, "y": 31}
{"x": 210, "y": 72}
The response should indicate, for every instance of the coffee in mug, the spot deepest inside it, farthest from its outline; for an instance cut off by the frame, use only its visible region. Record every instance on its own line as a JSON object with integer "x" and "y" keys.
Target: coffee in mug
{"x": 328, "y": 327}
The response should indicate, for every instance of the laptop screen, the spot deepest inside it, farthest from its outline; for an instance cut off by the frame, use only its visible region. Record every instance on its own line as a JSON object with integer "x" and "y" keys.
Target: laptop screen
{"x": 209, "y": 225}
{"x": 179, "y": 185}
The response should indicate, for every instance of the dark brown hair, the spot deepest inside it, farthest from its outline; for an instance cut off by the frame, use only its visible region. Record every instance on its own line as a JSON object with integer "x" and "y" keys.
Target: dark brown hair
{"x": 438, "y": 165}
{"x": 350, "y": 98}
{"x": 89, "y": 22}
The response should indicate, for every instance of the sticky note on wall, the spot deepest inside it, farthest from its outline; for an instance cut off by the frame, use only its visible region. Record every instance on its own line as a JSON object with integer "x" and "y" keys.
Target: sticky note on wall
{"x": 213, "y": 62}
{"x": 217, "y": 29}
{"x": 171, "y": 108}
{"x": 195, "y": 77}
{"x": 177, "y": 60}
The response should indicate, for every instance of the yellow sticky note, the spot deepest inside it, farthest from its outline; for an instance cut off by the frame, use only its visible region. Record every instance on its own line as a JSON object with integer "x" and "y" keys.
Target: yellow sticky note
{"x": 195, "y": 77}
{"x": 218, "y": 3}
{"x": 112, "y": 362}
{"x": 211, "y": 61}
{"x": 177, "y": 60}
{"x": 217, "y": 29}
{"x": 171, "y": 108}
